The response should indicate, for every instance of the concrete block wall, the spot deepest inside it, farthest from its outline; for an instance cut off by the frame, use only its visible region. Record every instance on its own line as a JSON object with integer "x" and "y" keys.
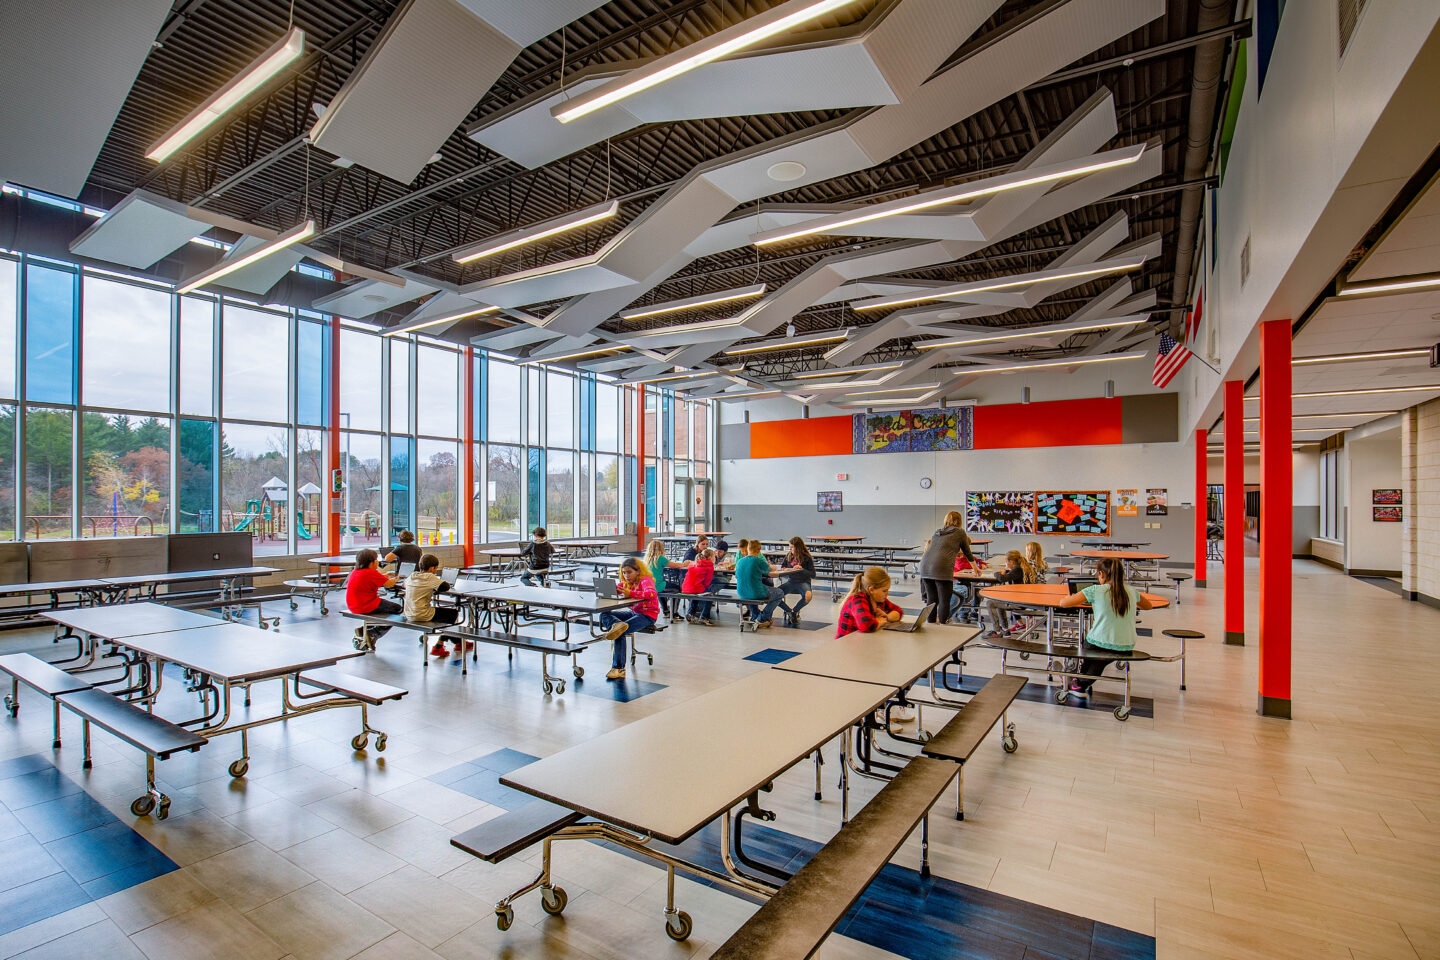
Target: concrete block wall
{"x": 1420, "y": 479}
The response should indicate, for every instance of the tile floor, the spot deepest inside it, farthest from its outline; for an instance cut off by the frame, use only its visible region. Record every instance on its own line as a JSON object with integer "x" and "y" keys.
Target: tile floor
{"x": 1213, "y": 831}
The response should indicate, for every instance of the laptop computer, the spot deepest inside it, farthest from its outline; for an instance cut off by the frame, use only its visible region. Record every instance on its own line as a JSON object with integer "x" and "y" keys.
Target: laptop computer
{"x": 910, "y": 626}
{"x": 1077, "y": 584}
{"x": 606, "y": 588}
{"x": 449, "y": 574}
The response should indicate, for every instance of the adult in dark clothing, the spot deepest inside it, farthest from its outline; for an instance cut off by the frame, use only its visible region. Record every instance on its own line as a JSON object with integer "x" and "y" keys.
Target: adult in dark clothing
{"x": 405, "y": 551}
{"x": 698, "y": 547}
{"x": 937, "y": 566}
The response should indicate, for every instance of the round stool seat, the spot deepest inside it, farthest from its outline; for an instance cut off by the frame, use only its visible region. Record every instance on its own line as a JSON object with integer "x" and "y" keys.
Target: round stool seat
{"x": 1178, "y": 577}
{"x": 1184, "y": 634}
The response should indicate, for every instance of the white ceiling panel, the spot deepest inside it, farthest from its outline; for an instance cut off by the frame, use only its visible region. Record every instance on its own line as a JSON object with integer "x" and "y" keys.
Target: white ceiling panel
{"x": 66, "y": 67}
{"x": 1411, "y": 245}
{"x": 369, "y": 297}
{"x": 264, "y": 273}
{"x": 138, "y": 231}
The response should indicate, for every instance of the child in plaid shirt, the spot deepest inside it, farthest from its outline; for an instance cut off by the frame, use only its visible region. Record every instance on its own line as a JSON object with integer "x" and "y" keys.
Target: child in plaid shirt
{"x": 868, "y": 606}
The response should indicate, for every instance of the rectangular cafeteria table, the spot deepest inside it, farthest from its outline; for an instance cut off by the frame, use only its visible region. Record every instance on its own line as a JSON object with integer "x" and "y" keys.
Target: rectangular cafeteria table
{"x": 667, "y": 776}
{"x": 85, "y": 625}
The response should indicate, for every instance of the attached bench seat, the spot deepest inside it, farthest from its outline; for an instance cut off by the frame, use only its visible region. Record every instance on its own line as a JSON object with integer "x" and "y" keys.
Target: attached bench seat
{"x": 49, "y": 680}
{"x": 156, "y": 737}
{"x": 369, "y": 693}
{"x": 797, "y": 919}
{"x": 963, "y": 733}
{"x": 506, "y": 835}
{"x": 717, "y": 598}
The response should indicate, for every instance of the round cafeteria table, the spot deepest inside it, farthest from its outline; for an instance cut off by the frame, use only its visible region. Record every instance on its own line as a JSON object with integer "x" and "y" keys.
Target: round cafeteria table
{"x": 1127, "y": 557}
{"x": 1047, "y": 595}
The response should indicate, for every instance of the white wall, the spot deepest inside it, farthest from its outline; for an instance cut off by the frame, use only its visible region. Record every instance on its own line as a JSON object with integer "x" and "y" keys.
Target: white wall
{"x": 1314, "y": 163}
{"x": 1371, "y": 463}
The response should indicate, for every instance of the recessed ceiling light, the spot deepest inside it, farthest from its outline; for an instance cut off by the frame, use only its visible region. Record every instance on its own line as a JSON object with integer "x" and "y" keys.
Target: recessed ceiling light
{"x": 786, "y": 170}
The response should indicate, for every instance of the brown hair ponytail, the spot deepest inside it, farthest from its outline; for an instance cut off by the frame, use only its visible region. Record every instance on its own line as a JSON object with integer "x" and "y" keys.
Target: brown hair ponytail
{"x": 1114, "y": 573}
{"x": 872, "y": 579}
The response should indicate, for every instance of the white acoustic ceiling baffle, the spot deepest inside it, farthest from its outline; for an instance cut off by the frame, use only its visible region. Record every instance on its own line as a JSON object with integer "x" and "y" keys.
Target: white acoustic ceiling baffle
{"x": 139, "y": 231}
{"x": 432, "y": 63}
{"x": 369, "y": 297}
{"x": 66, "y": 67}
{"x": 254, "y": 264}
{"x": 439, "y": 312}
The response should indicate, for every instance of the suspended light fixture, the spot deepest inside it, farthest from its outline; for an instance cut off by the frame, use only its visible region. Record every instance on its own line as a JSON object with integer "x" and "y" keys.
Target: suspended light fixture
{"x": 695, "y": 303}
{"x": 1397, "y": 285}
{"x": 463, "y": 314}
{"x": 1072, "y": 361}
{"x": 224, "y": 268}
{"x": 959, "y": 193}
{"x": 286, "y": 51}
{"x": 847, "y": 370}
{"x": 786, "y": 343}
{"x": 773, "y": 22}
{"x": 592, "y": 352}
{"x": 1356, "y": 393}
{"x": 537, "y": 231}
{"x": 982, "y": 286}
{"x": 1376, "y": 355}
{"x": 1039, "y": 332}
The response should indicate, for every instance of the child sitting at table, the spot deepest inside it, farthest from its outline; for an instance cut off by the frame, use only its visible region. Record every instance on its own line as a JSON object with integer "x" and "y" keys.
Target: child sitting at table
{"x": 1035, "y": 554}
{"x": 635, "y": 583}
{"x": 799, "y": 573}
{"x": 656, "y": 562}
{"x": 697, "y": 580}
{"x": 1017, "y": 570}
{"x": 1113, "y": 603}
{"x": 362, "y": 595}
{"x": 751, "y": 571}
{"x": 537, "y": 553}
{"x": 867, "y": 607}
{"x": 420, "y": 590}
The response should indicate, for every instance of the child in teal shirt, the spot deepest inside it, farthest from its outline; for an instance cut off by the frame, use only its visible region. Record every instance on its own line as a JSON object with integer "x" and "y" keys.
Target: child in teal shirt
{"x": 750, "y": 573}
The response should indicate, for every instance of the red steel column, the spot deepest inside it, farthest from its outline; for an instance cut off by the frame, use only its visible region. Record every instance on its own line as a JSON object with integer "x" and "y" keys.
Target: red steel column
{"x": 331, "y": 526}
{"x": 1202, "y": 479}
{"x": 1234, "y": 565}
{"x": 1276, "y": 517}
{"x": 640, "y": 467}
{"x": 467, "y": 464}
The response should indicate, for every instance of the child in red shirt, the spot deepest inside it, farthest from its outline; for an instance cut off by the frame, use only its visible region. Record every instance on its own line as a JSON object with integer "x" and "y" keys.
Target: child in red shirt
{"x": 362, "y": 595}
{"x": 868, "y": 605}
{"x": 697, "y": 579}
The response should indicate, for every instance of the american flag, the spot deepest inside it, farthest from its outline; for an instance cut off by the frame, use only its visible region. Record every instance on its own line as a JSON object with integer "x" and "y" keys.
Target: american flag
{"x": 1169, "y": 358}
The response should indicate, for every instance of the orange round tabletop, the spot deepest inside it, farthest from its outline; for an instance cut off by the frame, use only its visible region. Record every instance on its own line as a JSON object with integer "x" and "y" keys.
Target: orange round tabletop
{"x": 1119, "y": 555}
{"x": 1046, "y": 594}
{"x": 978, "y": 575}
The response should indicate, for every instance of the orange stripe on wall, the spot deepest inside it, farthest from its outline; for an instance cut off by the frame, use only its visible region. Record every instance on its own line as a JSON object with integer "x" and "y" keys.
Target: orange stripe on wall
{"x": 816, "y": 437}
{"x": 1056, "y": 423}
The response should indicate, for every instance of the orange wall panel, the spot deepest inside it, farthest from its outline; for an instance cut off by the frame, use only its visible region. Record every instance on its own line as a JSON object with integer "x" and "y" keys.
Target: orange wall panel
{"x": 1057, "y": 423}
{"x": 815, "y": 437}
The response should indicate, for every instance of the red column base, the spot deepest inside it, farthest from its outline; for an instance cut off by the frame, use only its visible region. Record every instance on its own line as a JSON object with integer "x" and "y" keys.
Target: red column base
{"x": 1234, "y": 639}
{"x": 1274, "y": 707}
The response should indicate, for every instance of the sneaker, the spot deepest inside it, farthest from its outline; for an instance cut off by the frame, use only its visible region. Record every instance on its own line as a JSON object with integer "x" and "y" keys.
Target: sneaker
{"x": 763, "y": 623}
{"x": 614, "y": 633}
{"x": 439, "y": 650}
{"x": 1076, "y": 690}
{"x": 615, "y": 674}
{"x": 689, "y": 618}
{"x": 709, "y": 623}
{"x": 902, "y": 714}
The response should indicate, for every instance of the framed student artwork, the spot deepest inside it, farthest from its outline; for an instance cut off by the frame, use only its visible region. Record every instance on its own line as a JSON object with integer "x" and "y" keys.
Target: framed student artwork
{"x": 1061, "y": 513}
{"x": 830, "y": 501}
{"x": 1387, "y": 496}
{"x": 1000, "y": 511}
{"x": 1387, "y": 514}
{"x": 1127, "y": 503}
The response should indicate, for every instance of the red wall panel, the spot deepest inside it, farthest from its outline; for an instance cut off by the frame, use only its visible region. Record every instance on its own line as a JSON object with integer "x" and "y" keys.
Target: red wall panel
{"x": 815, "y": 437}
{"x": 1057, "y": 423}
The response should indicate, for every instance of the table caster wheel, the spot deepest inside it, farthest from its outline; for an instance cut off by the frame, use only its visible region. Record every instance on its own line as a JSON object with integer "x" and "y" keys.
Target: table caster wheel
{"x": 504, "y": 916}
{"x": 359, "y": 741}
{"x": 650, "y": 658}
{"x": 553, "y": 901}
{"x": 1122, "y": 713}
{"x": 380, "y": 742}
{"x": 1061, "y": 696}
{"x": 13, "y": 706}
{"x": 142, "y": 805}
{"x": 579, "y": 672}
{"x": 678, "y": 926}
{"x": 1009, "y": 744}
{"x": 324, "y": 611}
{"x": 560, "y": 686}
{"x": 549, "y": 688}
{"x": 292, "y": 605}
{"x": 1024, "y": 655}
{"x": 163, "y": 810}
{"x": 240, "y": 767}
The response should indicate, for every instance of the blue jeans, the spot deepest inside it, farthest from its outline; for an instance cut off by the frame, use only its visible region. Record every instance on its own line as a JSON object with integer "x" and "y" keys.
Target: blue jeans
{"x": 701, "y": 609}
{"x": 529, "y": 576}
{"x": 776, "y": 596}
{"x": 633, "y": 621}
{"x": 799, "y": 590}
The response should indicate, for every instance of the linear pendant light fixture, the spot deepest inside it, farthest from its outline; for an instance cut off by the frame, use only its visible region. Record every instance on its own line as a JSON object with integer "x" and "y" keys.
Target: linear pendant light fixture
{"x": 694, "y": 303}
{"x": 1376, "y": 355}
{"x": 785, "y": 343}
{"x": 224, "y": 268}
{"x": 463, "y": 314}
{"x": 286, "y": 51}
{"x": 1025, "y": 280}
{"x": 592, "y": 352}
{"x": 843, "y": 371}
{"x": 773, "y": 22}
{"x": 1355, "y": 393}
{"x": 960, "y": 193}
{"x": 1038, "y": 332}
{"x": 537, "y": 231}
{"x": 1070, "y": 362}
{"x": 1395, "y": 285}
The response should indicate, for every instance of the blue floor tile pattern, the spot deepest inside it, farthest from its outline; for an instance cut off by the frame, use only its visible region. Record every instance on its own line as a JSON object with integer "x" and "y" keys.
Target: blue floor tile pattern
{"x": 922, "y": 919}
{"x": 62, "y": 847}
{"x": 773, "y": 655}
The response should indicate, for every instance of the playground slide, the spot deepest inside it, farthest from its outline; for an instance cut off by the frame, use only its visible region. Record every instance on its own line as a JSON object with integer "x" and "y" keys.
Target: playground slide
{"x": 243, "y": 524}
{"x": 300, "y": 530}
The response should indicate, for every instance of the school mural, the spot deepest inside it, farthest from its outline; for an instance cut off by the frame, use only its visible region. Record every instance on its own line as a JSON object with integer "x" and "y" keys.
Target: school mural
{"x": 913, "y": 431}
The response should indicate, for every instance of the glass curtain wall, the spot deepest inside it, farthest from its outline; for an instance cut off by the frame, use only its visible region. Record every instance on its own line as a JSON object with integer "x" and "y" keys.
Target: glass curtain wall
{"x": 142, "y": 412}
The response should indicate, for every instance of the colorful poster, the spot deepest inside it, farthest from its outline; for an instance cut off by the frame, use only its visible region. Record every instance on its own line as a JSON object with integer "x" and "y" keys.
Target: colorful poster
{"x": 912, "y": 431}
{"x": 1387, "y": 514}
{"x": 1127, "y": 503}
{"x": 1157, "y": 502}
{"x": 1386, "y": 495}
{"x": 1000, "y": 511}
{"x": 830, "y": 501}
{"x": 1081, "y": 512}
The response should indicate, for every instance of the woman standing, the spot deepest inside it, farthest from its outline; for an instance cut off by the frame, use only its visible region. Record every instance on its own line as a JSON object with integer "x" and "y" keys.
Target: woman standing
{"x": 937, "y": 566}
